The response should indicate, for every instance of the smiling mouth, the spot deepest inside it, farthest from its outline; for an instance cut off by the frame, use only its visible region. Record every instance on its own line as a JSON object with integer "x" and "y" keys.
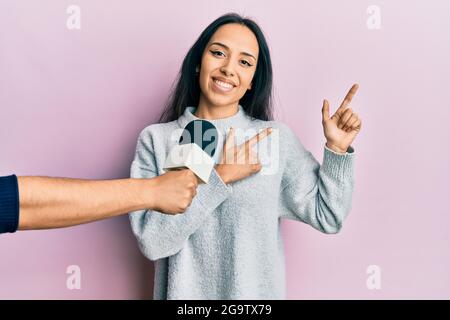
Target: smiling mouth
{"x": 222, "y": 85}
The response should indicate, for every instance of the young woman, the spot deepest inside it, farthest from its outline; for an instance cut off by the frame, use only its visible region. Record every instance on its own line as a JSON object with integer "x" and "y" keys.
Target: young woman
{"x": 227, "y": 245}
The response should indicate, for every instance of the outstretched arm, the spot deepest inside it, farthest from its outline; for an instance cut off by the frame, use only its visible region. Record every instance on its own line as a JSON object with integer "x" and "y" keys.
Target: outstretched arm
{"x": 61, "y": 202}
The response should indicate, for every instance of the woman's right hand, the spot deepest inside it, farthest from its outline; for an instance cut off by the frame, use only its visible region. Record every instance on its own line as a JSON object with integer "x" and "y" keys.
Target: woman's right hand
{"x": 239, "y": 162}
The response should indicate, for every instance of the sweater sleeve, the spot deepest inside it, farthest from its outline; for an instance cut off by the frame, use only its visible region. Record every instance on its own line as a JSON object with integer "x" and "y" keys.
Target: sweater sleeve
{"x": 9, "y": 204}
{"x": 161, "y": 235}
{"x": 319, "y": 195}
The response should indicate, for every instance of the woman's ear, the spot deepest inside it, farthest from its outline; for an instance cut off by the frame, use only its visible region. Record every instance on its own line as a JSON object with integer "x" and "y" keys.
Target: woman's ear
{"x": 197, "y": 69}
{"x": 250, "y": 86}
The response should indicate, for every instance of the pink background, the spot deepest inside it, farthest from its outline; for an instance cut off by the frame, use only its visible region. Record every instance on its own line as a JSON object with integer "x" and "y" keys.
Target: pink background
{"x": 72, "y": 103}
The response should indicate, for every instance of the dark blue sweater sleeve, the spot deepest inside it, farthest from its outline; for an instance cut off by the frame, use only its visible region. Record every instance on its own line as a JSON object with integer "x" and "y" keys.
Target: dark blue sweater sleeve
{"x": 9, "y": 204}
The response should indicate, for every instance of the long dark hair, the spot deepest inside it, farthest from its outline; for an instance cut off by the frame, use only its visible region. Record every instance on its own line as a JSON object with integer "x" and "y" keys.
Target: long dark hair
{"x": 257, "y": 102}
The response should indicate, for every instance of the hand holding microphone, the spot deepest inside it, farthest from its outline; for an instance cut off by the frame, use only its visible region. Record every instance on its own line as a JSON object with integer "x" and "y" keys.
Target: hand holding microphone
{"x": 197, "y": 146}
{"x": 174, "y": 191}
{"x": 45, "y": 203}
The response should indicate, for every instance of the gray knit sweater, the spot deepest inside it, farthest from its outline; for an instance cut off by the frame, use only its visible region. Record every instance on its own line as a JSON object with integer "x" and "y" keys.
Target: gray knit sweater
{"x": 228, "y": 244}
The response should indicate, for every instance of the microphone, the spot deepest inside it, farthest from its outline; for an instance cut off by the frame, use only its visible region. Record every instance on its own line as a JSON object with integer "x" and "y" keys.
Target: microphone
{"x": 195, "y": 149}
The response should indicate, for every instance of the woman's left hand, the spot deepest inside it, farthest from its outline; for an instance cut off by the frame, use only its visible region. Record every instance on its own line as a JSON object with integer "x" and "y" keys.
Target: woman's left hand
{"x": 342, "y": 127}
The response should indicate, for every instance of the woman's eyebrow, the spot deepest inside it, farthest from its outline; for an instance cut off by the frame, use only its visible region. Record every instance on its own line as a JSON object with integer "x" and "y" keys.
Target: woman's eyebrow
{"x": 226, "y": 47}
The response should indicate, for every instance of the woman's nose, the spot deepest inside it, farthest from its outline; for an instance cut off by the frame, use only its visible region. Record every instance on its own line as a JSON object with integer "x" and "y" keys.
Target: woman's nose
{"x": 227, "y": 70}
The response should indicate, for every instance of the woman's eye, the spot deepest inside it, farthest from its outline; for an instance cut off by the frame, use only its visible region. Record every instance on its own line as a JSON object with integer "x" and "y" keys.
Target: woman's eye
{"x": 217, "y": 53}
{"x": 246, "y": 63}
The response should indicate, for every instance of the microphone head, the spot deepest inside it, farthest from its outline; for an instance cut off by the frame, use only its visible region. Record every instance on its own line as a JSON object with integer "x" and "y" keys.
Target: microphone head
{"x": 203, "y": 133}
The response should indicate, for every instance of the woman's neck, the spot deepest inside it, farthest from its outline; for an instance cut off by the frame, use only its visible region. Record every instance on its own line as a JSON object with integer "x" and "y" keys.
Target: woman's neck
{"x": 208, "y": 112}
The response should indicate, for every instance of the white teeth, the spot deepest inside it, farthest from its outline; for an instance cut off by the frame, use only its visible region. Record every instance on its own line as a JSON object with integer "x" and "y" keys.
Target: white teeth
{"x": 223, "y": 84}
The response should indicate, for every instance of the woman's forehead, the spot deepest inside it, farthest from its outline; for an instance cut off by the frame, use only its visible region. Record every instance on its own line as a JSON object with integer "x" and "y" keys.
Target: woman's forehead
{"x": 236, "y": 37}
